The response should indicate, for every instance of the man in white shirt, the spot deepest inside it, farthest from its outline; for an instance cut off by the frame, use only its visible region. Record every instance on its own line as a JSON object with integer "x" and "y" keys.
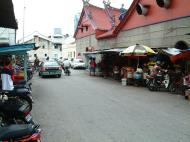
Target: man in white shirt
{"x": 66, "y": 63}
{"x": 7, "y": 76}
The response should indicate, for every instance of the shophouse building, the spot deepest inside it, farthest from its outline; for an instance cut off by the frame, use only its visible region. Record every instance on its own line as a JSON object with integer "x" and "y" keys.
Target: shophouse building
{"x": 69, "y": 48}
{"x": 154, "y": 23}
{"x": 45, "y": 47}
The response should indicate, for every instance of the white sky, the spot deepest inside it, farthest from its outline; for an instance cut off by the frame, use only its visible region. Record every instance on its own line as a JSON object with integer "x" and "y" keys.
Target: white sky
{"x": 45, "y": 15}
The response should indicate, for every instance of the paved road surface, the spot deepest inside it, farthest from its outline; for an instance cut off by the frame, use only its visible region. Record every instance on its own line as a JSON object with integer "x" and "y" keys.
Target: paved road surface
{"x": 80, "y": 108}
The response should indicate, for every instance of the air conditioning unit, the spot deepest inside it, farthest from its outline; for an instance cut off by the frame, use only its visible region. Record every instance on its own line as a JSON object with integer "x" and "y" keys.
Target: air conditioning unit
{"x": 163, "y": 3}
{"x": 141, "y": 9}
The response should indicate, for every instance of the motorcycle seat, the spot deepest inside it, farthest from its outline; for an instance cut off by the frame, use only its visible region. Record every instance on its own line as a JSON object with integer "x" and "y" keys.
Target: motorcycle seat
{"x": 19, "y": 86}
{"x": 15, "y": 131}
{"x": 19, "y": 82}
{"x": 21, "y": 90}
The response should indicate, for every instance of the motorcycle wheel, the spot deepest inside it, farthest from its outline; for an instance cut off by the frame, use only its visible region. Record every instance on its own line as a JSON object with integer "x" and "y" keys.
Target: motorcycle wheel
{"x": 27, "y": 101}
{"x": 151, "y": 86}
{"x": 2, "y": 120}
{"x": 172, "y": 88}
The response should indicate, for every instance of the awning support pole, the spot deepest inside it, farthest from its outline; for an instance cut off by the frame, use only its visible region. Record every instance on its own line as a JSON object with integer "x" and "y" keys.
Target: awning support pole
{"x": 25, "y": 66}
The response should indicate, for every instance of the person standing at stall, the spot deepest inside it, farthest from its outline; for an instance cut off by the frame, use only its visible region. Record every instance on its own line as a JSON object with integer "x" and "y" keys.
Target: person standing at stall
{"x": 7, "y": 76}
{"x": 93, "y": 66}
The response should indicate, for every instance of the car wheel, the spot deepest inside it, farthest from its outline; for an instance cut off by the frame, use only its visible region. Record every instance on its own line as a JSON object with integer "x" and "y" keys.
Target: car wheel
{"x": 59, "y": 76}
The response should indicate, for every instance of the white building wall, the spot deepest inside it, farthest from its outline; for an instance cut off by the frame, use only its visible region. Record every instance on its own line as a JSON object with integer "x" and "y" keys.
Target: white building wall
{"x": 69, "y": 51}
{"x": 45, "y": 47}
{"x": 165, "y": 34}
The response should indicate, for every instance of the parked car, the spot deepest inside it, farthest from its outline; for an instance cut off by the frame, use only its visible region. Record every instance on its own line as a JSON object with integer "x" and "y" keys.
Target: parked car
{"x": 78, "y": 63}
{"x": 50, "y": 68}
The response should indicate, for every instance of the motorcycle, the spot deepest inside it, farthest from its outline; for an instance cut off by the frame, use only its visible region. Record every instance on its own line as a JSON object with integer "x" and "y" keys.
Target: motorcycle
{"x": 23, "y": 84}
{"x": 14, "y": 111}
{"x": 22, "y": 91}
{"x": 67, "y": 71}
{"x": 160, "y": 80}
{"x": 176, "y": 85}
{"x": 21, "y": 94}
{"x": 20, "y": 133}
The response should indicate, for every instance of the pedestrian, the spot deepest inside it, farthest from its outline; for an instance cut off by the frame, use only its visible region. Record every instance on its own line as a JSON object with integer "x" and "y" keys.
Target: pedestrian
{"x": 66, "y": 64}
{"x": 36, "y": 63}
{"x": 7, "y": 76}
{"x": 93, "y": 66}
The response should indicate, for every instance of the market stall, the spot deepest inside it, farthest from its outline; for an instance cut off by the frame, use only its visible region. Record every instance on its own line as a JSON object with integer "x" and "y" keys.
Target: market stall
{"x": 18, "y": 53}
{"x": 136, "y": 70}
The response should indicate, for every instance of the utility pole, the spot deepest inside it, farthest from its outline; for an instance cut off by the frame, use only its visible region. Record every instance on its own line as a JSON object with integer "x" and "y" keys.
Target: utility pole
{"x": 23, "y": 20}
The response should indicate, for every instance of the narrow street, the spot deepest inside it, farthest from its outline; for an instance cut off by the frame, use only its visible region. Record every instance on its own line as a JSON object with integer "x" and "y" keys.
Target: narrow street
{"x": 80, "y": 108}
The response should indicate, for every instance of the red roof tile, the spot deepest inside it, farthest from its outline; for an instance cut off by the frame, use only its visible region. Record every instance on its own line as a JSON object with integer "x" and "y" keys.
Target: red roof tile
{"x": 100, "y": 17}
{"x": 100, "y": 20}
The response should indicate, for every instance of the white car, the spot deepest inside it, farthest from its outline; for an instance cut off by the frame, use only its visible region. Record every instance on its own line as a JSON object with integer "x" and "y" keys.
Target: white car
{"x": 78, "y": 63}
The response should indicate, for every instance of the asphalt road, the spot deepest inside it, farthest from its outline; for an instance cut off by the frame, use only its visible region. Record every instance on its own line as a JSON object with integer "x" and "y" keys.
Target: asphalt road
{"x": 80, "y": 108}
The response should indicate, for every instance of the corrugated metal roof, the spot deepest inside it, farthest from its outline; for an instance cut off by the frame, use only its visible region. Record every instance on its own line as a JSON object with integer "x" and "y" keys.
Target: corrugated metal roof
{"x": 19, "y": 48}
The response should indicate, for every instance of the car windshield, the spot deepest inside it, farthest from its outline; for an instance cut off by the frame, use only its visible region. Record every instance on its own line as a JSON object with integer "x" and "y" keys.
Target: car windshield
{"x": 51, "y": 64}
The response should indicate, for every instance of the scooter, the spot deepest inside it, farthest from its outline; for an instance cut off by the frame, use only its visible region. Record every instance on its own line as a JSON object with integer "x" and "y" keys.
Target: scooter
{"x": 160, "y": 80}
{"x": 20, "y": 133}
{"x": 21, "y": 94}
{"x": 23, "y": 84}
{"x": 14, "y": 111}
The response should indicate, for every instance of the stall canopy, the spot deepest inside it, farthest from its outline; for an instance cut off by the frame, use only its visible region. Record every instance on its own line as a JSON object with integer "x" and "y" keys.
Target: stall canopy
{"x": 177, "y": 54}
{"x": 112, "y": 50}
{"x": 7, "y": 16}
{"x": 185, "y": 54}
{"x": 17, "y": 49}
{"x": 171, "y": 51}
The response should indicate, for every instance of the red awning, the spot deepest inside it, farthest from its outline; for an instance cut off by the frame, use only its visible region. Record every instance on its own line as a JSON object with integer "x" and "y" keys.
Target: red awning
{"x": 182, "y": 55}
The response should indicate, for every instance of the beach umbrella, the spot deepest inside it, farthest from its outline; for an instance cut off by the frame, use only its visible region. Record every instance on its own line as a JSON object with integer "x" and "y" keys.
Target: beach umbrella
{"x": 138, "y": 51}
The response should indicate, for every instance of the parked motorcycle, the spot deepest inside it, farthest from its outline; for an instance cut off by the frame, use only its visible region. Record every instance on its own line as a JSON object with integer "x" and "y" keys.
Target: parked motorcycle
{"x": 21, "y": 94}
{"x": 30, "y": 73}
{"x": 20, "y": 133}
{"x": 22, "y": 91}
{"x": 160, "y": 80}
{"x": 176, "y": 85}
{"x": 14, "y": 111}
{"x": 23, "y": 84}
